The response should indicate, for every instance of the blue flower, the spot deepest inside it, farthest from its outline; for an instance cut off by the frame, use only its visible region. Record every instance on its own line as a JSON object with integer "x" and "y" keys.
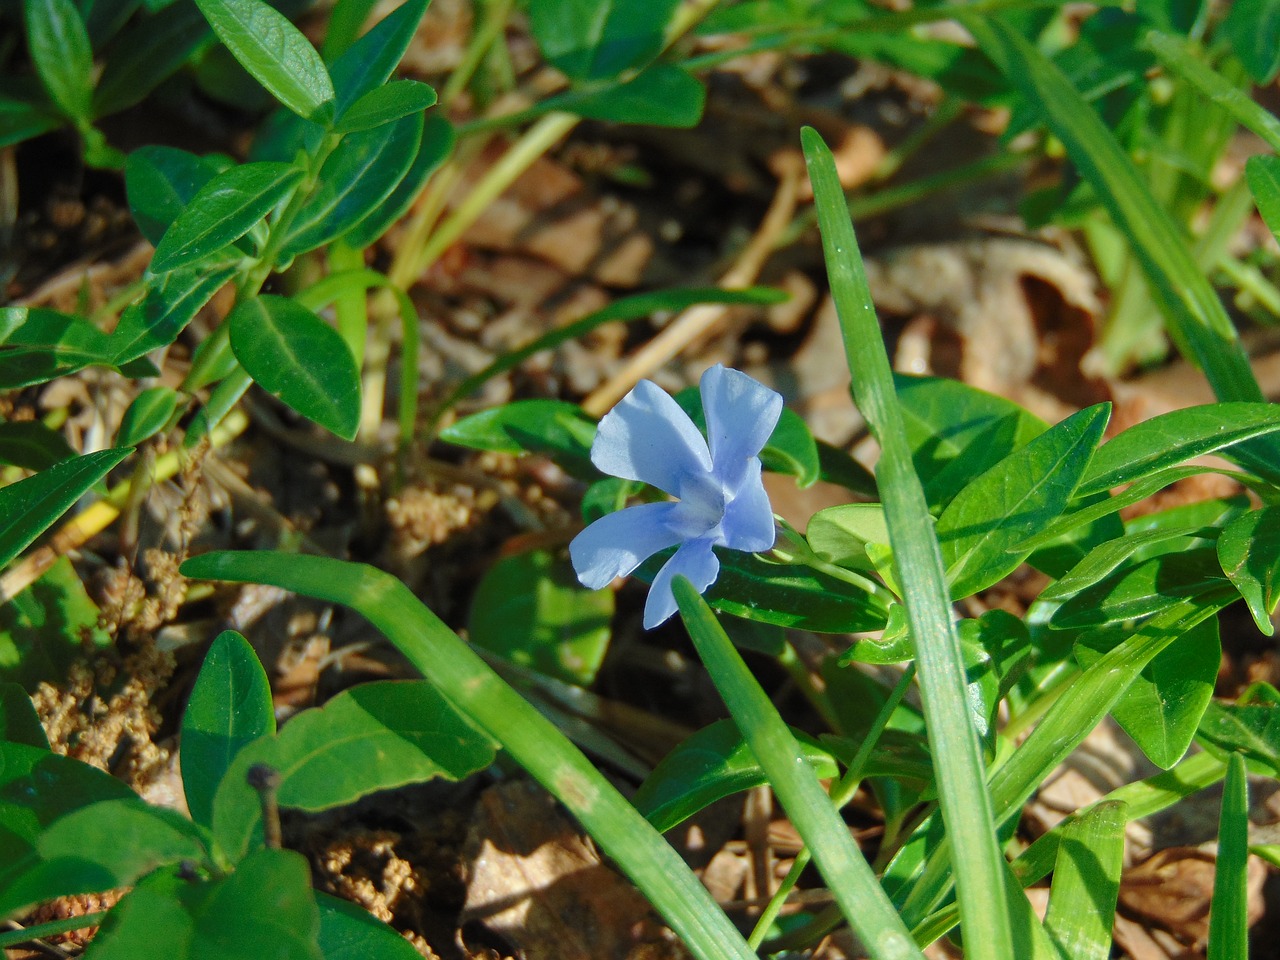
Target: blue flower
{"x": 720, "y": 498}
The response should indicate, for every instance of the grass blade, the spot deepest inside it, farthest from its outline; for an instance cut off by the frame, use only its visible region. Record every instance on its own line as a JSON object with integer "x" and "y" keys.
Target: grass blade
{"x": 861, "y": 898}
{"x": 479, "y": 693}
{"x": 1086, "y": 880}
{"x": 962, "y": 790}
{"x": 1229, "y": 914}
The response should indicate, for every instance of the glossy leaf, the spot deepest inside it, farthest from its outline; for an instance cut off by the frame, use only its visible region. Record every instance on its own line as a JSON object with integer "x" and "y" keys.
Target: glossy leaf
{"x": 385, "y": 104}
{"x": 438, "y": 138}
{"x": 599, "y": 39}
{"x": 19, "y": 722}
{"x": 1102, "y": 561}
{"x": 1229, "y": 911}
{"x": 1162, "y": 708}
{"x": 661, "y": 96}
{"x": 1252, "y": 27}
{"x": 59, "y": 47}
{"x": 224, "y": 210}
{"x": 714, "y": 763}
{"x": 353, "y": 182}
{"x": 372, "y": 737}
{"x": 1172, "y": 438}
{"x": 1249, "y": 551}
{"x": 957, "y": 432}
{"x": 275, "y": 53}
{"x": 1013, "y": 499}
{"x": 350, "y": 932}
{"x": 1138, "y": 590}
{"x": 555, "y": 428}
{"x": 230, "y": 707}
{"x": 160, "y": 181}
{"x": 171, "y": 303}
{"x": 147, "y": 415}
{"x": 32, "y": 445}
{"x": 294, "y": 355}
{"x": 840, "y": 534}
{"x": 371, "y": 59}
{"x": 40, "y": 345}
{"x": 1263, "y": 173}
{"x": 47, "y": 627}
{"x": 1252, "y": 729}
{"x": 530, "y": 609}
{"x": 31, "y": 506}
{"x": 1086, "y": 883}
{"x": 266, "y": 908}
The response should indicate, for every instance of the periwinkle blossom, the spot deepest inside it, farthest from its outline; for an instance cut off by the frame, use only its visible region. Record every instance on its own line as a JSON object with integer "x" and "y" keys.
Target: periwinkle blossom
{"x": 720, "y": 498}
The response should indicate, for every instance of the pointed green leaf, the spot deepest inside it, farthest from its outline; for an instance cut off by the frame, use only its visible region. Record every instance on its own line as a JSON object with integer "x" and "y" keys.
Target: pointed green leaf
{"x": 275, "y": 53}
{"x": 1013, "y": 499}
{"x": 554, "y": 427}
{"x": 386, "y": 103}
{"x": 32, "y": 445}
{"x": 1141, "y": 589}
{"x": 599, "y": 39}
{"x": 147, "y": 53}
{"x": 31, "y": 506}
{"x": 1172, "y": 438}
{"x": 355, "y": 179}
{"x": 1249, "y": 551}
{"x": 223, "y": 211}
{"x": 171, "y": 303}
{"x": 19, "y": 722}
{"x": 294, "y": 355}
{"x": 230, "y": 707}
{"x": 372, "y": 737}
{"x": 41, "y": 344}
{"x": 370, "y": 60}
{"x": 59, "y": 46}
{"x": 147, "y": 415}
{"x": 661, "y": 96}
{"x": 160, "y": 181}
{"x": 1263, "y": 174}
{"x": 1229, "y": 911}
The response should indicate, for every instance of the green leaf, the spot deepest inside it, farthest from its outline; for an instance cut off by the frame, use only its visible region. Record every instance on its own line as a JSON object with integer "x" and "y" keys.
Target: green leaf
{"x": 1229, "y": 911}
{"x": 41, "y": 344}
{"x": 556, "y": 428}
{"x": 1249, "y": 551}
{"x": 275, "y": 53}
{"x": 1252, "y": 729}
{"x": 1013, "y": 499}
{"x": 353, "y": 182}
{"x": 1103, "y": 560}
{"x": 997, "y": 649}
{"x": 296, "y": 356}
{"x": 1252, "y": 27}
{"x": 840, "y": 534}
{"x": 714, "y": 763}
{"x": 1162, "y": 708}
{"x": 147, "y": 415}
{"x": 58, "y": 44}
{"x": 230, "y": 707}
{"x": 599, "y": 39}
{"x": 36, "y": 788}
{"x": 384, "y": 104}
{"x": 661, "y": 96}
{"x": 372, "y": 737}
{"x": 171, "y": 303}
{"x": 1263, "y": 174}
{"x": 531, "y": 610}
{"x": 32, "y": 445}
{"x": 957, "y": 432}
{"x": 146, "y": 54}
{"x": 47, "y": 626}
{"x": 370, "y": 60}
{"x": 350, "y": 932}
{"x": 1141, "y": 589}
{"x": 30, "y": 506}
{"x": 438, "y": 138}
{"x": 1086, "y": 882}
{"x": 19, "y": 722}
{"x": 223, "y": 211}
{"x": 266, "y": 908}
{"x": 1172, "y": 438}
{"x": 160, "y": 181}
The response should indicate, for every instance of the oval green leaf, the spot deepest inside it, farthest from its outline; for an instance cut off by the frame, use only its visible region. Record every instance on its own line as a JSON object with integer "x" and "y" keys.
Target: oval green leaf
{"x": 1249, "y": 551}
{"x": 556, "y": 428}
{"x": 368, "y": 62}
{"x": 385, "y": 104}
{"x": 59, "y": 47}
{"x": 599, "y": 39}
{"x": 159, "y": 182}
{"x": 147, "y": 415}
{"x": 294, "y": 355}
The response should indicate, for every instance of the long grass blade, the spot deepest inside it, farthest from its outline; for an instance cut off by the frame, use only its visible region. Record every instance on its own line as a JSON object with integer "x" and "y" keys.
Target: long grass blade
{"x": 1086, "y": 881}
{"x": 1229, "y": 913}
{"x": 962, "y": 792}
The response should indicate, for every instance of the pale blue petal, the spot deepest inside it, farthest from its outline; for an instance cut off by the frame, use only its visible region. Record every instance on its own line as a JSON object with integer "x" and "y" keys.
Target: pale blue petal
{"x": 647, "y": 437}
{"x": 748, "y": 518}
{"x": 741, "y": 413}
{"x": 694, "y": 560}
{"x": 619, "y": 542}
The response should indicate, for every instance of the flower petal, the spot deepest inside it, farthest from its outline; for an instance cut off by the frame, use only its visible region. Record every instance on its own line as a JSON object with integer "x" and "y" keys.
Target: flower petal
{"x": 647, "y": 437}
{"x": 748, "y": 518}
{"x": 619, "y": 542}
{"x": 741, "y": 413}
{"x": 694, "y": 560}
